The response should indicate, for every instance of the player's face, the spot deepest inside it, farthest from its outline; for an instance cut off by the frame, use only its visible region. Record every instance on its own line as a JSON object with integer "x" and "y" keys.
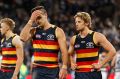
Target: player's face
{"x": 41, "y": 19}
{"x": 4, "y": 28}
{"x": 80, "y": 24}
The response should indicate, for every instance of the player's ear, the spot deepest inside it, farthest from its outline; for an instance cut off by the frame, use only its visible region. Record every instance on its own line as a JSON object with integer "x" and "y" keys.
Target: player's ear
{"x": 87, "y": 24}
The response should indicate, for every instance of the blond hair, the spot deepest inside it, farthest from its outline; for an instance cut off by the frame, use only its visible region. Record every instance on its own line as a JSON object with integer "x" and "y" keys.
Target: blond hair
{"x": 85, "y": 17}
{"x": 9, "y": 22}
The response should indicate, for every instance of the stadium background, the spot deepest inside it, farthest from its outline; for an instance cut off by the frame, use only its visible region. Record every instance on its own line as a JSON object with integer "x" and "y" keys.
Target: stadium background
{"x": 105, "y": 18}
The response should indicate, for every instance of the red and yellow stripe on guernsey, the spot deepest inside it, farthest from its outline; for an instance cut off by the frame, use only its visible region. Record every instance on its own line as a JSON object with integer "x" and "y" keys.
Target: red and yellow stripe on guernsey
{"x": 86, "y": 66}
{"x": 8, "y": 52}
{"x": 46, "y": 56}
{"x": 45, "y": 44}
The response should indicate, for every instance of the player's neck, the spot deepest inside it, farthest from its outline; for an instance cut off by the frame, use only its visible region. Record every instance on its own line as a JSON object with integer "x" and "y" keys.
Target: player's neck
{"x": 47, "y": 25}
{"x": 85, "y": 32}
{"x": 9, "y": 34}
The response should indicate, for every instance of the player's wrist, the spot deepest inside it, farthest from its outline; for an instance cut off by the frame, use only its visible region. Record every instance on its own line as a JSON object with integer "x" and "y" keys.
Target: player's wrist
{"x": 30, "y": 21}
{"x": 100, "y": 65}
{"x": 15, "y": 74}
{"x": 64, "y": 67}
{"x": 72, "y": 62}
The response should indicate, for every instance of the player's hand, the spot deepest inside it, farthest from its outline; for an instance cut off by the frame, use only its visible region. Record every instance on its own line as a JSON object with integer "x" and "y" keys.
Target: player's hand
{"x": 73, "y": 66}
{"x": 14, "y": 77}
{"x": 34, "y": 15}
{"x": 96, "y": 66}
{"x": 62, "y": 73}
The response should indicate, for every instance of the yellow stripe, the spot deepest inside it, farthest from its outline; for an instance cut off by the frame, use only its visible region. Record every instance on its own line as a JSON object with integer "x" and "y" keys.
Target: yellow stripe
{"x": 83, "y": 55}
{"x": 45, "y": 65}
{"x": 85, "y": 66}
{"x": 9, "y": 52}
{"x": 9, "y": 61}
{"x": 45, "y": 59}
{"x": 42, "y": 46}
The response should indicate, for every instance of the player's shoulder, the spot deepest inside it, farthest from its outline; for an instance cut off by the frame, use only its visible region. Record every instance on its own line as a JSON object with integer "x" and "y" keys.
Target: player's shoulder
{"x": 58, "y": 29}
{"x": 98, "y": 35}
{"x": 73, "y": 38}
{"x": 16, "y": 37}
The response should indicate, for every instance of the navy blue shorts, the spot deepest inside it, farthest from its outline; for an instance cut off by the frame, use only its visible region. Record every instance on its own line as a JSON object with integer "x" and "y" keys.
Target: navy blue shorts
{"x": 45, "y": 73}
{"x": 88, "y": 75}
{"x": 6, "y": 75}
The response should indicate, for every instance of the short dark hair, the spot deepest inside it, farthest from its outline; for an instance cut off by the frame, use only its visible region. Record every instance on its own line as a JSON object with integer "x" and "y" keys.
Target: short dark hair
{"x": 41, "y": 8}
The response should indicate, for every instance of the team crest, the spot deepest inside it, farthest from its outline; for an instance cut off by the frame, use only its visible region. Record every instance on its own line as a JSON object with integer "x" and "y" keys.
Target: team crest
{"x": 50, "y": 37}
{"x": 89, "y": 45}
{"x": 9, "y": 44}
{"x": 77, "y": 46}
{"x": 38, "y": 36}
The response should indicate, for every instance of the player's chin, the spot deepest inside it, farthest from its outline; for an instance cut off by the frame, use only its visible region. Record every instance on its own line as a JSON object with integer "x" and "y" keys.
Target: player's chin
{"x": 77, "y": 29}
{"x": 36, "y": 22}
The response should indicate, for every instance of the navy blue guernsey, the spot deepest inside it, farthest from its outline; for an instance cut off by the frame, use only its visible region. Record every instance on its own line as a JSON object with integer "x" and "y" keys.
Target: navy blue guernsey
{"x": 46, "y": 48}
{"x": 87, "y": 52}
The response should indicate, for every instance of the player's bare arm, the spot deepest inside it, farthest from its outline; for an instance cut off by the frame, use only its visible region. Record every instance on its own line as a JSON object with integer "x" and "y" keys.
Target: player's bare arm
{"x": 63, "y": 47}
{"x": 19, "y": 52}
{"x": 101, "y": 40}
{"x": 25, "y": 33}
{"x": 71, "y": 53}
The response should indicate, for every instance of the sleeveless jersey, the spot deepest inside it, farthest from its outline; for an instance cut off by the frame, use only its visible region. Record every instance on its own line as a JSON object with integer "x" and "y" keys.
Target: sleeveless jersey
{"x": 86, "y": 53}
{"x": 9, "y": 57}
{"x": 46, "y": 48}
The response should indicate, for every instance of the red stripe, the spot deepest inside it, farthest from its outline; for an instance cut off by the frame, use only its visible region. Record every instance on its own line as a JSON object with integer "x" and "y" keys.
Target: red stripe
{"x": 8, "y": 49}
{"x": 5, "y": 58}
{"x": 46, "y": 42}
{"x": 84, "y": 70}
{"x": 87, "y": 50}
{"x": 87, "y": 62}
{"x": 6, "y": 70}
{"x": 45, "y": 54}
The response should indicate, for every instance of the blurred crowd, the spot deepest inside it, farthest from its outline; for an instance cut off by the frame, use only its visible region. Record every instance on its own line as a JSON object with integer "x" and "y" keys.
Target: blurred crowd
{"x": 105, "y": 17}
